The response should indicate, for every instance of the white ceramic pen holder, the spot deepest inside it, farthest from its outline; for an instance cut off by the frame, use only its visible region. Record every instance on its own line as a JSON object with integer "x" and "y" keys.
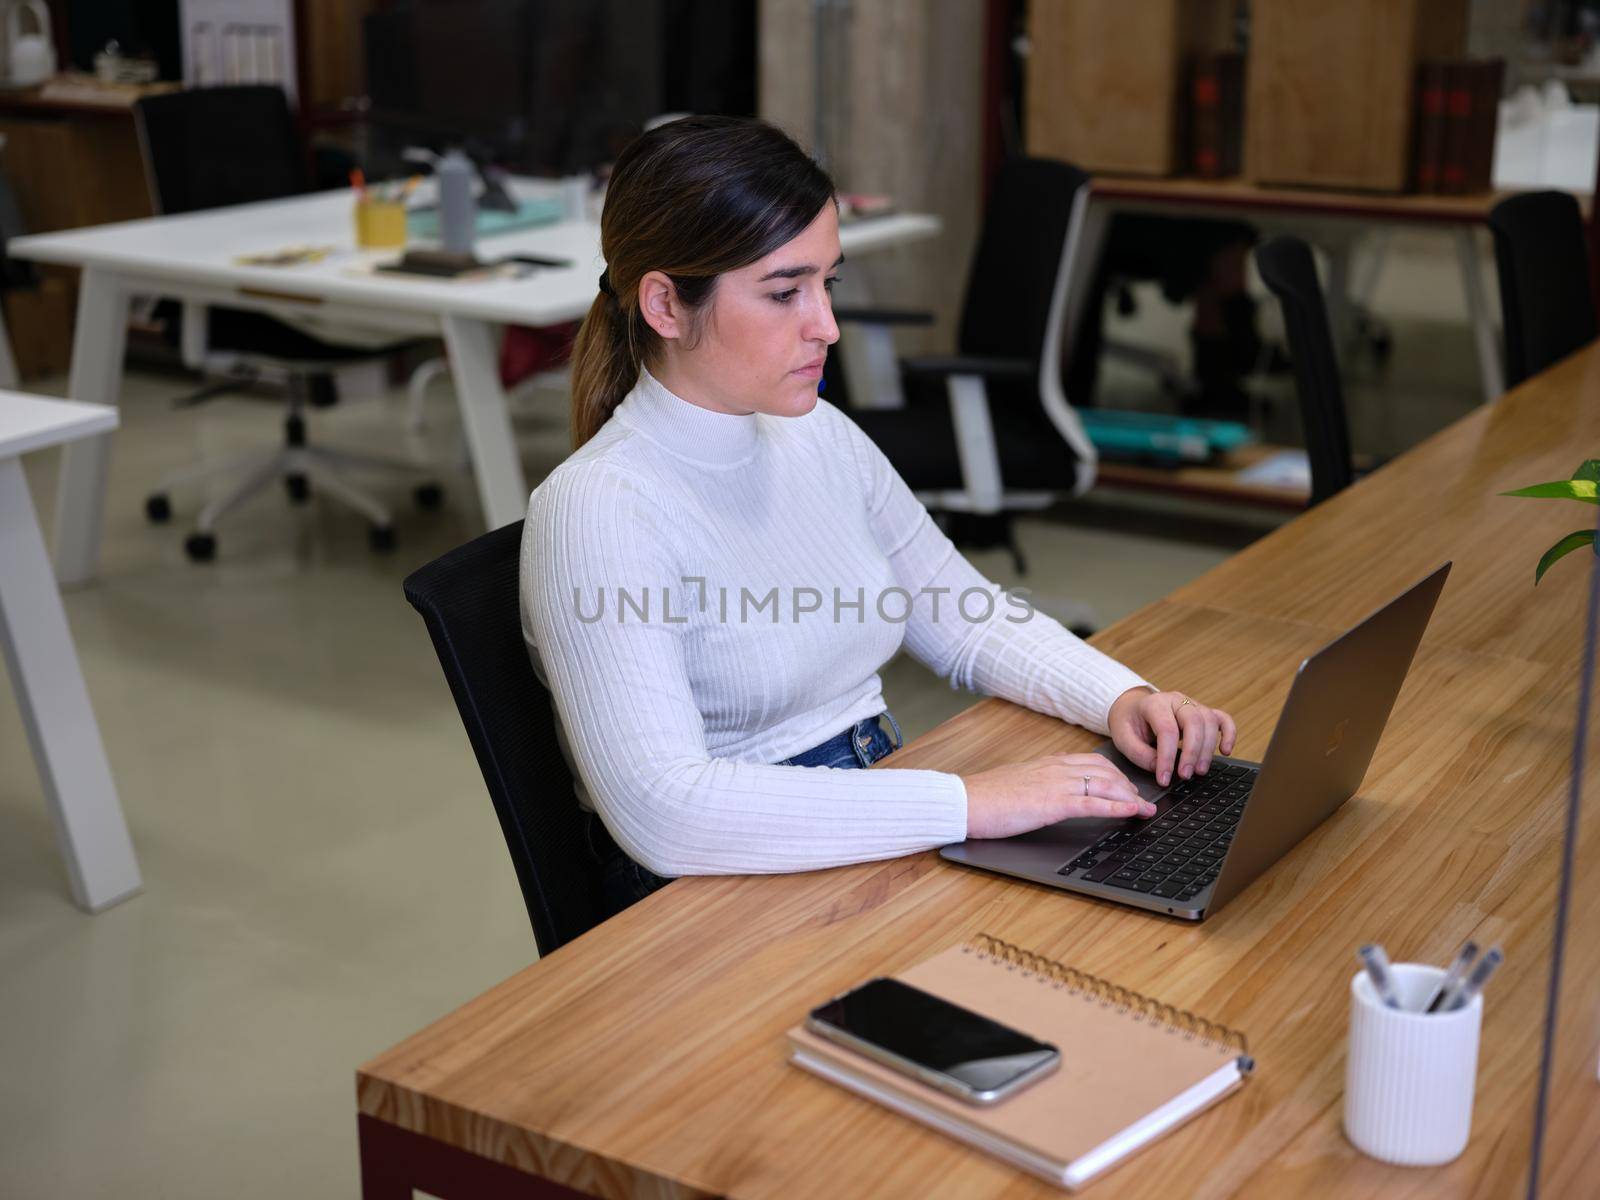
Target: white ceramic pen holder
{"x": 1411, "y": 1076}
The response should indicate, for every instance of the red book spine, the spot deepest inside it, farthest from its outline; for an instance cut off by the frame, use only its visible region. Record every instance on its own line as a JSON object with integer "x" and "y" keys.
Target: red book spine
{"x": 1458, "y": 129}
{"x": 1430, "y": 125}
{"x": 1488, "y": 82}
{"x": 1216, "y": 95}
{"x": 1205, "y": 94}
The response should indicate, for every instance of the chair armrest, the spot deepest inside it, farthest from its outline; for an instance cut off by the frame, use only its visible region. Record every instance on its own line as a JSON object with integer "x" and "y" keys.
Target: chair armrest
{"x": 957, "y": 364}
{"x": 882, "y": 316}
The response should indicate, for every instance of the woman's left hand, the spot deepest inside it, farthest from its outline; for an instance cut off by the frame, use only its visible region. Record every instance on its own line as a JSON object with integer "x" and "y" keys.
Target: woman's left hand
{"x": 1156, "y": 730}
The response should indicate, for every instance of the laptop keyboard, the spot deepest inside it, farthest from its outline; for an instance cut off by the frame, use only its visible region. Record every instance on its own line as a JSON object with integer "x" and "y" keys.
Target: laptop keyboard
{"x": 1177, "y": 853}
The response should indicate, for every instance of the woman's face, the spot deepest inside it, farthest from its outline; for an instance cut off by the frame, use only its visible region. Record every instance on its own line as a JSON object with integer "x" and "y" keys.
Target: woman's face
{"x": 761, "y": 339}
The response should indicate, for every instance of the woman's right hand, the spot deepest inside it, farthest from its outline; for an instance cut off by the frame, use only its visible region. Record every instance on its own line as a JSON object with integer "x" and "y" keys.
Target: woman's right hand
{"x": 1025, "y": 796}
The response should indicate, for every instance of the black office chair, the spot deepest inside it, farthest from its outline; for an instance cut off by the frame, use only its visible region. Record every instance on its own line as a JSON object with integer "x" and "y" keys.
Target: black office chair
{"x": 1288, "y": 269}
{"x": 988, "y": 431}
{"x": 213, "y": 147}
{"x": 1541, "y": 257}
{"x": 468, "y": 598}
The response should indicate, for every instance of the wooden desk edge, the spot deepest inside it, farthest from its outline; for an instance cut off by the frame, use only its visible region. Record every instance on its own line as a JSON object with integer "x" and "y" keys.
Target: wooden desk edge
{"x": 399, "y": 1151}
{"x": 1222, "y": 486}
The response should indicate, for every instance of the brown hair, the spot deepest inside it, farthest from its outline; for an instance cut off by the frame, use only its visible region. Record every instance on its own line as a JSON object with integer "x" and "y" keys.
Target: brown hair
{"x": 692, "y": 198}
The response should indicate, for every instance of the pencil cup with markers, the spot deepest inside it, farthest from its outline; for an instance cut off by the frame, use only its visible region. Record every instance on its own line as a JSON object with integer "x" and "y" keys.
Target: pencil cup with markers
{"x": 380, "y": 224}
{"x": 1411, "y": 1073}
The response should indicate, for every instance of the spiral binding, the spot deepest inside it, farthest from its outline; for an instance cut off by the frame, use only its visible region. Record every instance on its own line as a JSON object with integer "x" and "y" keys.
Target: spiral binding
{"x": 1092, "y": 987}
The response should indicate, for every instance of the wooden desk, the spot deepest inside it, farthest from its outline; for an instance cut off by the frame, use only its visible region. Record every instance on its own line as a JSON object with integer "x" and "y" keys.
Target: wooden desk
{"x": 1328, "y": 218}
{"x": 647, "y": 1058}
{"x": 1217, "y": 480}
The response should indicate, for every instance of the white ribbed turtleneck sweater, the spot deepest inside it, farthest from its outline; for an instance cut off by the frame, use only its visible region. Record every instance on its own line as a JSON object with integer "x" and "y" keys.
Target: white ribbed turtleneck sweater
{"x": 817, "y": 563}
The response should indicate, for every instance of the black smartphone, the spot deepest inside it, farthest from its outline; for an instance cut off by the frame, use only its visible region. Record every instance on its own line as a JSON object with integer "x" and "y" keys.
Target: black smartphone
{"x": 942, "y": 1044}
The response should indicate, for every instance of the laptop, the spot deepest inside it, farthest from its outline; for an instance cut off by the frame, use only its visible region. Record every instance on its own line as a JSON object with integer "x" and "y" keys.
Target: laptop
{"x": 1213, "y": 834}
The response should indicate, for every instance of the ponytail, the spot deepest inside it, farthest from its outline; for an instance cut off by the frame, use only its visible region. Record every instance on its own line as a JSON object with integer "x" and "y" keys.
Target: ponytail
{"x": 605, "y": 366}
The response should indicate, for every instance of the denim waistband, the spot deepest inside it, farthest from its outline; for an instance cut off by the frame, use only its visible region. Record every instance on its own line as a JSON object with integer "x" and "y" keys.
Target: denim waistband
{"x": 863, "y": 744}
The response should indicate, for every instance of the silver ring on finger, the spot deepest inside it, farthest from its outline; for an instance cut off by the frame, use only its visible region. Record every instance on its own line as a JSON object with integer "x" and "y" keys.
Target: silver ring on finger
{"x": 1186, "y": 700}
{"x": 1085, "y": 785}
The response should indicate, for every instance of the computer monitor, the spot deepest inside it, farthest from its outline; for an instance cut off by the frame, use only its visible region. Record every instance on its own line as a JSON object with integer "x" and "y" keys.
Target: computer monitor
{"x": 544, "y": 87}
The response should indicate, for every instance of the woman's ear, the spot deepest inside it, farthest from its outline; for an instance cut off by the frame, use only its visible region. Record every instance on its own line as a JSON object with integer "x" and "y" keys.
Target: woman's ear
{"x": 658, "y": 301}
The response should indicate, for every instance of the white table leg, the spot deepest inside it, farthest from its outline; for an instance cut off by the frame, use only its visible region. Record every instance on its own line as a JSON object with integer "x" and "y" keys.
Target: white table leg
{"x": 97, "y": 349}
{"x": 8, "y": 362}
{"x": 474, "y": 365}
{"x": 1337, "y": 248}
{"x": 55, "y": 708}
{"x": 1483, "y": 328}
{"x": 867, "y": 352}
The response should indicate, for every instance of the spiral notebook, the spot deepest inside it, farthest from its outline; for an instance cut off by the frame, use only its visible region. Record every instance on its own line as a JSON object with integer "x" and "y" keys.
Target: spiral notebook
{"x": 1132, "y": 1068}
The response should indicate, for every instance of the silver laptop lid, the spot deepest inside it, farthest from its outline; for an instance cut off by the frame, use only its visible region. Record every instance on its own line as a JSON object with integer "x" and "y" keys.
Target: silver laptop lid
{"x": 1338, "y": 705}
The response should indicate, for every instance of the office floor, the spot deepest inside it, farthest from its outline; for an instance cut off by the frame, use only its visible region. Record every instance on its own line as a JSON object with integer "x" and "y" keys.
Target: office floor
{"x": 323, "y": 873}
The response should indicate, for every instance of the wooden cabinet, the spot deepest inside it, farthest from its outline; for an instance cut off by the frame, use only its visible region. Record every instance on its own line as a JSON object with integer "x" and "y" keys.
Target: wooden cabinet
{"x": 1105, "y": 79}
{"x": 72, "y": 167}
{"x": 1331, "y": 87}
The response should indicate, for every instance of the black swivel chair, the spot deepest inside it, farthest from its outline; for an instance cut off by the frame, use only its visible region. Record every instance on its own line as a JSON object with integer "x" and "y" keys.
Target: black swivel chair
{"x": 210, "y": 148}
{"x": 989, "y": 431}
{"x": 1288, "y": 269}
{"x": 469, "y": 600}
{"x": 1543, "y": 264}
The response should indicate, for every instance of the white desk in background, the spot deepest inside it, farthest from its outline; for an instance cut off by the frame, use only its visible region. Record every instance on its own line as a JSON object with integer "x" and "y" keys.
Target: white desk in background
{"x": 43, "y": 662}
{"x": 193, "y": 257}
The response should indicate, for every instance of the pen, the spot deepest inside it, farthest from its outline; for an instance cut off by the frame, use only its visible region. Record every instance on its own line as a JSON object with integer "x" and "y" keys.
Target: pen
{"x": 1377, "y": 964}
{"x": 1479, "y": 977}
{"x": 1443, "y": 994}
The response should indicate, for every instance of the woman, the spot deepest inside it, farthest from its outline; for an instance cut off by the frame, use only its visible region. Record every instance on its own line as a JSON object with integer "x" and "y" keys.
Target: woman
{"x": 713, "y": 579}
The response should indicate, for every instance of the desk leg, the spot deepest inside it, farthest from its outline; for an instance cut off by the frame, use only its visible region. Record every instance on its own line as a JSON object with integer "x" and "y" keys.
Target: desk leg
{"x": 55, "y": 708}
{"x": 475, "y": 368}
{"x": 8, "y": 363}
{"x": 1483, "y": 328}
{"x": 867, "y": 352}
{"x": 1340, "y": 322}
{"x": 395, "y": 1160}
{"x": 97, "y": 349}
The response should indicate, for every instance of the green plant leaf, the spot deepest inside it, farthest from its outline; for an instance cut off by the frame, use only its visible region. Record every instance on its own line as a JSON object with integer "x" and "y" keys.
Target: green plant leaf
{"x": 1590, "y": 470}
{"x": 1583, "y": 537}
{"x": 1586, "y": 490}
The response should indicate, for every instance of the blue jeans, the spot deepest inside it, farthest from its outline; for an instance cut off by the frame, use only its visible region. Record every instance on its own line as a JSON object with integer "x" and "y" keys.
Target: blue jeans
{"x": 624, "y": 882}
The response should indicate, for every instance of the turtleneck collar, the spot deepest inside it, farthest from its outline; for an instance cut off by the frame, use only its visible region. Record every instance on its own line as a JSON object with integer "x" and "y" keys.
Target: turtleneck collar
{"x": 687, "y": 430}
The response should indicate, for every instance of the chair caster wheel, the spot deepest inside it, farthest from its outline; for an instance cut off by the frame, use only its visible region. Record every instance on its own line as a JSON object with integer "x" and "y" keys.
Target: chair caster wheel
{"x": 200, "y": 547}
{"x": 429, "y": 497}
{"x": 381, "y": 537}
{"x": 298, "y": 487}
{"x": 158, "y": 508}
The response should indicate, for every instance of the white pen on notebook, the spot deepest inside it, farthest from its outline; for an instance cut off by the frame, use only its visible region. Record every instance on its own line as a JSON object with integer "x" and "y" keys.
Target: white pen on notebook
{"x": 1479, "y": 977}
{"x": 1377, "y": 964}
{"x": 1442, "y": 995}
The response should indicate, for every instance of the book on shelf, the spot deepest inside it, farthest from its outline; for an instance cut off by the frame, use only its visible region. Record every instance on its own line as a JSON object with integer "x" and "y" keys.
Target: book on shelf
{"x": 1216, "y": 114}
{"x": 1458, "y": 112}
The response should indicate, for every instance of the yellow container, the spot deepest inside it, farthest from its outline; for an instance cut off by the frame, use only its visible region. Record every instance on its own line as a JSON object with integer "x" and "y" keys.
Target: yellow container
{"x": 380, "y": 225}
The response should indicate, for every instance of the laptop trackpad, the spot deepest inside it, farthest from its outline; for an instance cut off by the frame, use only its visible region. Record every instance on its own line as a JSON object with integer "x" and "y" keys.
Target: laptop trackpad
{"x": 1141, "y": 779}
{"x": 1070, "y": 837}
